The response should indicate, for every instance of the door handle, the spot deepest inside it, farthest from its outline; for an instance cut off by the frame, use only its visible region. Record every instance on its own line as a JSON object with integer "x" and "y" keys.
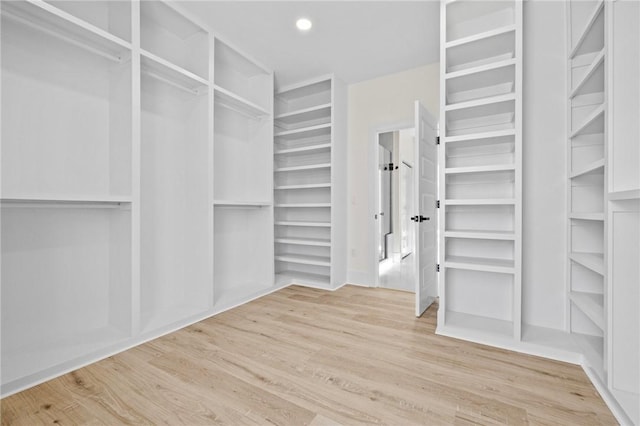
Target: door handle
{"x": 420, "y": 218}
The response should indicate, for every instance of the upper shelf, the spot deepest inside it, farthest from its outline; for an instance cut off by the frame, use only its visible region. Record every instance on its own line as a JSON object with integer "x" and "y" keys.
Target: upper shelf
{"x": 169, "y": 73}
{"x": 594, "y": 123}
{"x": 481, "y": 49}
{"x": 301, "y": 96}
{"x": 591, "y": 37}
{"x": 469, "y": 18}
{"x": 477, "y": 117}
{"x": 55, "y": 22}
{"x": 228, "y": 99}
{"x": 305, "y": 132}
{"x": 313, "y": 115}
{"x": 592, "y": 80}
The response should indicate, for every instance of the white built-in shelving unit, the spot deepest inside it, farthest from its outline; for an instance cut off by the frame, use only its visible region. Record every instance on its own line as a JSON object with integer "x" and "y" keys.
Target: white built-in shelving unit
{"x": 480, "y": 168}
{"x": 136, "y": 180}
{"x": 310, "y": 195}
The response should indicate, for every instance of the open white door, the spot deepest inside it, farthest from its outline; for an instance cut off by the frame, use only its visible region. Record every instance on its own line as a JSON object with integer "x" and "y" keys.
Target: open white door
{"x": 425, "y": 217}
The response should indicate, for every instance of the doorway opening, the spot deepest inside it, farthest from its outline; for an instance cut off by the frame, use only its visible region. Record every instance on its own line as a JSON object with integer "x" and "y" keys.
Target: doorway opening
{"x": 396, "y": 193}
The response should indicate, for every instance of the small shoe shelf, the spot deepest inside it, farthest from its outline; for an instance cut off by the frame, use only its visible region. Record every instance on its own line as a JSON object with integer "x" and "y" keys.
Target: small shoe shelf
{"x": 481, "y": 90}
{"x": 309, "y": 216}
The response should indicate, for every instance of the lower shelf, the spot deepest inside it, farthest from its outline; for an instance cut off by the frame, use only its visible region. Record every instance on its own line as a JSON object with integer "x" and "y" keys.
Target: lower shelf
{"x": 158, "y": 319}
{"x": 478, "y": 324}
{"x": 302, "y": 278}
{"x": 480, "y": 264}
{"x": 304, "y": 260}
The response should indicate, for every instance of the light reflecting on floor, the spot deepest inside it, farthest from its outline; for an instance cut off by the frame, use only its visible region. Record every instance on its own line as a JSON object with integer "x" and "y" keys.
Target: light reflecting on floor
{"x": 398, "y": 275}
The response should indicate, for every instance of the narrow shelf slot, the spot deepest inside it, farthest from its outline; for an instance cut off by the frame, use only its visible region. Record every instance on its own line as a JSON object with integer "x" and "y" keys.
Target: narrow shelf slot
{"x": 478, "y": 137}
{"x": 480, "y": 264}
{"x": 594, "y": 123}
{"x": 480, "y": 202}
{"x": 589, "y": 37}
{"x": 306, "y": 186}
{"x": 482, "y": 49}
{"x": 480, "y": 69}
{"x": 587, "y": 216}
{"x": 304, "y": 260}
{"x": 302, "y": 205}
{"x": 304, "y": 115}
{"x": 591, "y": 305}
{"x": 593, "y": 79}
{"x": 301, "y": 168}
{"x": 304, "y": 149}
{"x": 483, "y": 235}
{"x": 226, "y": 98}
{"x": 479, "y": 116}
{"x": 304, "y": 241}
{"x": 305, "y": 132}
{"x": 233, "y": 203}
{"x": 593, "y": 261}
{"x": 57, "y": 23}
{"x": 594, "y": 167}
{"x": 306, "y": 224}
{"x": 480, "y": 169}
{"x": 481, "y": 36}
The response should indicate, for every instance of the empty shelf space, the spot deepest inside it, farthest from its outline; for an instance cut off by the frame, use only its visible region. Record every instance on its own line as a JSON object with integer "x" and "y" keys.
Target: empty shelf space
{"x": 594, "y": 167}
{"x": 480, "y": 264}
{"x": 304, "y": 260}
{"x": 592, "y": 36}
{"x": 297, "y": 277}
{"x": 482, "y": 49}
{"x": 305, "y": 132}
{"x": 233, "y": 203}
{"x": 480, "y": 69}
{"x": 481, "y": 36}
{"x": 593, "y": 79}
{"x": 480, "y": 169}
{"x": 484, "y": 235}
{"x": 228, "y": 99}
{"x": 477, "y": 323}
{"x": 302, "y": 205}
{"x": 162, "y": 70}
{"x": 490, "y": 114}
{"x": 304, "y": 149}
{"x": 594, "y": 123}
{"x": 591, "y": 304}
{"x": 481, "y": 102}
{"x": 317, "y": 242}
{"x": 45, "y": 17}
{"x": 305, "y": 186}
{"x": 307, "y": 224}
{"x": 481, "y": 202}
{"x": 319, "y": 112}
{"x": 299, "y": 168}
{"x": 593, "y": 261}
{"x": 587, "y": 216}
{"x": 478, "y": 138}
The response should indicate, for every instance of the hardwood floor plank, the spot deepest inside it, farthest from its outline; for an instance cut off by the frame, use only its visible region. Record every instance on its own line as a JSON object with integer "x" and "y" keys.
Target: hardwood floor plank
{"x": 308, "y": 356}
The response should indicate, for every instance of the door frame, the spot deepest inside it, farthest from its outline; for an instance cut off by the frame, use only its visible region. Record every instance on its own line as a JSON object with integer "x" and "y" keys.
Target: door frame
{"x": 374, "y": 191}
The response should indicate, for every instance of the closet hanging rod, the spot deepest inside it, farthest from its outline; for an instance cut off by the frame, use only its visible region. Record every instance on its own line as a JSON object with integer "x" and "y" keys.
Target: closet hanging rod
{"x": 173, "y": 83}
{"x": 238, "y": 110}
{"x": 62, "y": 37}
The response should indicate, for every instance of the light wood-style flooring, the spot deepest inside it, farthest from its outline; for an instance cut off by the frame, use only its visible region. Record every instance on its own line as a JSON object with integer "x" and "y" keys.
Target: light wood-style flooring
{"x": 304, "y": 356}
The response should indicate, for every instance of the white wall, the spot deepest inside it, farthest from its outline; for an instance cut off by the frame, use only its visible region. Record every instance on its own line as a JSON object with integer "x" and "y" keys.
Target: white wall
{"x": 544, "y": 164}
{"x": 374, "y": 105}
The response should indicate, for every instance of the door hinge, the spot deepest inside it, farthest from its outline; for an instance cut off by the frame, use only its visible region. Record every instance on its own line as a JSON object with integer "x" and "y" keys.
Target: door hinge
{"x": 438, "y": 204}
{"x": 438, "y": 267}
{"x": 437, "y": 140}
{"x": 390, "y": 166}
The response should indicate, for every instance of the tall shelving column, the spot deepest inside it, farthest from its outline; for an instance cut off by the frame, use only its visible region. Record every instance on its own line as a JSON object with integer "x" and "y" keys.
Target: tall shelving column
{"x": 587, "y": 104}
{"x": 309, "y": 184}
{"x": 480, "y": 170}
{"x": 243, "y": 178}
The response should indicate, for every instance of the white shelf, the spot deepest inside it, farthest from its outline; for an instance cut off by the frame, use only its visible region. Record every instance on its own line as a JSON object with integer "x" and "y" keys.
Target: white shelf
{"x": 591, "y": 305}
{"x": 65, "y": 201}
{"x": 167, "y": 72}
{"x": 296, "y": 277}
{"x": 481, "y": 36}
{"x": 480, "y": 264}
{"x": 476, "y": 323}
{"x": 45, "y": 17}
{"x": 300, "y": 168}
{"x": 318, "y": 112}
{"x": 594, "y": 123}
{"x": 481, "y": 202}
{"x": 304, "y": 149}
{"x": 593, "y": 79}
{"x": 481, "y": 102}
{"x": 480, "y": 169}
{"x": 317, "y": 242}
{"x": 305, "y": 186}
{"x": 598, "y": 13}
{"x": 303, "y": 205}
{"x": 478, "y": 136}
{"x": 587, "y": 216}
{"x": 233, "y": 203}
{"x": 234, "y": 102}
{"x": 306, "y": 224}
{"x": 594, "y": 167}
{"x": 483, "y": 235}
{"x": 632, "y": 194}
{"x": 304, "y": 259}
{"x": 593, "y": 261}
{"x": 305, "y": 132}
{"x": 480, "y": 69}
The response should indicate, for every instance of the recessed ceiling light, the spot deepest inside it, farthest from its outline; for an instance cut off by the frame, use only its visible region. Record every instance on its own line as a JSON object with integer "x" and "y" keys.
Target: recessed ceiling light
{"x": 303, "y": 24}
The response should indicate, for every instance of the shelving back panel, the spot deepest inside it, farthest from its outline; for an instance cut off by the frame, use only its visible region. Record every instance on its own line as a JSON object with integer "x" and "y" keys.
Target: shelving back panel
{"x": 469, "y": 18}
{"x": 492, "y": 82}
{"x": 489, "y": 249}
{"x": 499, "y": 151}
{"x": 480, "y": 185}
{"x": 482, "y": 118}
{"x": 490, "y": 218}
{"x": 66, "y": 113}
{"x": 112, "y": 16}
{"x": 484, "y": 51}
{"x": 483, "y": 294}
{"x": 175, "y": 271}
{"x": 242, "y": 171}
{"x": 171, "y": 36}
{"x": 66, "y": 277}
{"x": 236, "y": 73}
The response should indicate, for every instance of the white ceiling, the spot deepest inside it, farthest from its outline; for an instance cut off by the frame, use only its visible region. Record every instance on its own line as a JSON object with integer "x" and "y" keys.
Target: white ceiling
{"x": 356, "y": 40}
